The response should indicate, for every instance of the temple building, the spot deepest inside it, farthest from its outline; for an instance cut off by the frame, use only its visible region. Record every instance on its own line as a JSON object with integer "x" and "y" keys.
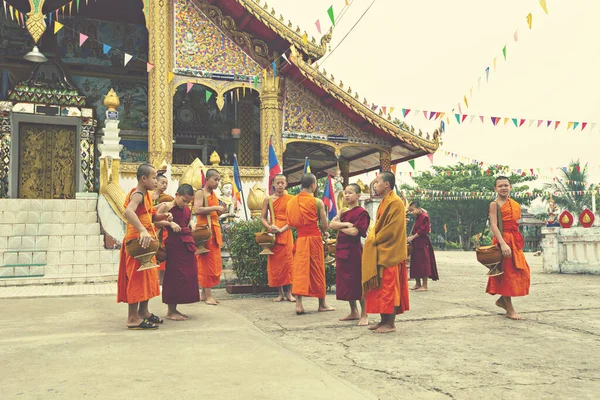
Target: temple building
{"x": 196, "y": 79}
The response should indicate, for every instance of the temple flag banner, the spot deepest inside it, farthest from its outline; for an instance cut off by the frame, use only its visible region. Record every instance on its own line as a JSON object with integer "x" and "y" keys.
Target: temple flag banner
{"x": 170, "y": 77}
{"x": 237, "y": 182}
{"x": 57, "y": 27}
{"x": 83, "y": 38}
{"x": 106, "y": 48}
{"x": 330, "y": 12}
{"x": 318, "y": 24}
{"x": 412, "y": 163}
{"x": 544, "y": 6}
{"x": 127, "y": 58}
{"x": 529, "y": 20}
{"x": 149, "y": 67}
{"x": 274, "y": 167}
{"x": 306, "y": 166}
{"x": 274, "y": 68}
{"x": 190, "y": 85}
{"x": 504, "y": 52}
{"x": 329, "y": 199}
{"x": 430, "y": 156}
{"x": 208, "y": 95}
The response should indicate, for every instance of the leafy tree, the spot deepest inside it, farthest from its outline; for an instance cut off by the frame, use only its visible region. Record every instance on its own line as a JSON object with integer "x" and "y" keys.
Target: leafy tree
{"x": 566, "y": 189}
{"x": 464, "y": 217}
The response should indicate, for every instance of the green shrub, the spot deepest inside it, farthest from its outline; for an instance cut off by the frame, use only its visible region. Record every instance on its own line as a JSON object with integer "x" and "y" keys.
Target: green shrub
{"x": 248, "y": 265}
{"x": 453, "y": 246}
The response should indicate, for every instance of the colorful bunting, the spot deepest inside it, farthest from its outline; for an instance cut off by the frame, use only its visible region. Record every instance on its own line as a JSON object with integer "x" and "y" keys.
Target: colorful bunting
{"x": 208, "y": 95}
{"x": 412, "y": 163}
{"x": 318, "y": 24}
{"x": 82, "y": 39}
{"x": 126, "y": 59}
{"x": 106, "y": 48}
{"x": 274, "y": 68}
{"x": 189, "y": 87}
{"x": 504, "y": 52}
{"x": 544, "y": 6}
{"x": 330, "y": 12}
{"x": 529, "y": 20}
{"x": 57, "y": 27}
{"x": 170, "y": 77}
{"x": 516, "y": 35}
{"x": 149, "y": 67}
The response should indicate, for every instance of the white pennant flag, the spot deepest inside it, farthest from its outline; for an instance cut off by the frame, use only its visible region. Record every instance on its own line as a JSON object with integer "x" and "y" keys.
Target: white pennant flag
{"x": 471, "y": 118}
{"x": 286, "y": 59}
{"x": 128, "y": 58}
{"x": 5, "y": 9}
{"x": 593, "y": 126}
{"x": 530, "y": 123}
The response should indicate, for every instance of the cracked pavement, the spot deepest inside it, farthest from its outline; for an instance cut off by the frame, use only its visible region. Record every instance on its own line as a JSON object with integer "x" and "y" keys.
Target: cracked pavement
{"x": 453, "y": 343}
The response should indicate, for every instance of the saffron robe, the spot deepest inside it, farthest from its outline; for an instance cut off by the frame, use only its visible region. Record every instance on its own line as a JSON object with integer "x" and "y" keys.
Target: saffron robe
{"x": 210, "y": 264}
{"x": 180, "y": 284}
{"x": 163, "y": 198}
{"x": 515, "y": 280}
{"x": 279, "y": 264}
{"x": 348, "y": 255}
{"x": 308, "y": 265}
{"x": 134, "y": 286}
{"x": 422, "y": 259}
{"x": 384, "y": 275}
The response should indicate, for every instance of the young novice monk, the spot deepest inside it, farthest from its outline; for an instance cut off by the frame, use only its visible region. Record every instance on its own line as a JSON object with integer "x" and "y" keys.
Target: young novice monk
{"x": 158, "y": 197}
{"x": 137, "y": 287}
{"x": 352, "y": 225}
{"x": 279, "y": 264}
{"x": 515, "y": 279}
{"x": 180, "y": 285}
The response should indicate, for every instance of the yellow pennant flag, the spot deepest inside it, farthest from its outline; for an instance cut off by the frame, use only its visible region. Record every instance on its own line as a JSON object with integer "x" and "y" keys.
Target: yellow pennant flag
{"x": 70, "y": 8}
{"x": 17, "y": 15}
{"x": 305, "y": 39}
{"x": 63, "y": 10}
{"x": 442, "y": 115}
{"x": 506, "y": 120}
{"x": 171, "y": 76}
{"x": 347, "y": 2}
{"x": 57, "y": 27}
{"x": 466, "y": 102}
{"x": 10, "y": 12}
{"x": 391, "y": 110}
{"x": 529, "y": 20}
{"x": 544, "y": 7}
{"x": 569, "y": 125}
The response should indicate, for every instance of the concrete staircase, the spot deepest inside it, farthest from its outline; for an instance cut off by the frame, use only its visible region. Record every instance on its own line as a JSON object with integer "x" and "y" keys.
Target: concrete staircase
{"x": 53, "y": 241}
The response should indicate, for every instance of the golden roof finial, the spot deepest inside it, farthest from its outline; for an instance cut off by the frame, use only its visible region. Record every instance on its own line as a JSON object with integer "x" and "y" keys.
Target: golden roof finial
{"x": 111, "y": 100}
{"x": 214, "y": 159}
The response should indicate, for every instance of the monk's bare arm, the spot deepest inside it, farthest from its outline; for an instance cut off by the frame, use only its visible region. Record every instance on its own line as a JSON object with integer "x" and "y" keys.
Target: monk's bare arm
{"x": 134, "y": 202}
{"x": 494, "y": 223}
{"x": 350, "y": 231}
{"x": 264, "y": 214}
{"x": 337, "y": 225}
{"x": 161, "y": 210}
{"x": 323, "y": 217}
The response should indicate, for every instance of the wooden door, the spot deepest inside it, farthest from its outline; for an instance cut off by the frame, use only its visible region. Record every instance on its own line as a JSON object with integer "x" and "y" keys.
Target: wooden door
{"x": 47, "y": 161}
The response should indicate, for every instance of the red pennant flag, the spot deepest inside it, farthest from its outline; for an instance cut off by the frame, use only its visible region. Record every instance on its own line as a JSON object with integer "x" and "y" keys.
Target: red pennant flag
{"x": 149, "y": 67}
{"x": 318, "y": 24}
{"x": 521, "y": 122}
{"x": 464, "y": 117}
{"x": 405, "y": 111}
{"x": 437, "y": 115}
{"x": 190, "y": 85}
{"x": 481, "y": 118}
{"x": 583, "y": 125}
{"x": 556, "y": 124}
{"x": 384, "y": 108}
{"x": 425, "y": 114}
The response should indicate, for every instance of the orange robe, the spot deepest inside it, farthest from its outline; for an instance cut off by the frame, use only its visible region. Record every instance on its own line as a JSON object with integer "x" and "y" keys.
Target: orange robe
{"x": 308, "y": 265}
{"x": 134, "y": 286}
{"x": 515, "y": 280}
{"x": 210, "y": 264}
{"x": 163, "y": 198}
{"x": 279, "y": 265}
{"x": 384, "y": 275}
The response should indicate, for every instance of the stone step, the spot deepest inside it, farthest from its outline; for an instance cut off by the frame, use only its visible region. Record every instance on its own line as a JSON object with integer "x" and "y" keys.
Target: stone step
{"x": 76, "y": 257}
{"x": 51, "y": 243}
{"x": 47, "y": 217}
{"x": 61, "y": 273}
{"x": 63, "y": 229}
{"x": 22, "y": 271}
{"x": 15, "y": 205}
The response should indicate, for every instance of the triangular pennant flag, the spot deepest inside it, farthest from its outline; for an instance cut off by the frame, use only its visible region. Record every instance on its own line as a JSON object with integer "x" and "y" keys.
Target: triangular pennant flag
{"x": 516, "y": 35}
{"x": 10, "y": 12}
{"x": 464, "y": 116}
{"x": 521, "y": 122}
{"x": 286, "y": 59}
{"x": 506, "y": 119}
{"x": 190, "y": 85}
{"x": 5, "y": 9}
{"x": 170, "y": 76}
{"x": 77, "y": 5}
{"x": 127, "y": 58}
{"x": 417, "y": 113}
{"x": 540, "y": 122}
{"x": 548, "y": 123}
{"x": 529, "y": 20}
{"x": 583, "y": 125}
{"x": 412, "y": 163}
{"x": 459, "y": 108}
{"x": 425, "y": 114}
{"x": 530, "y": 123}
{"x": 504, "y": 52}
{"x": 384, "y": 108}
{"x": 431, "y": 114}
{"x": 149, "y": 67}
{"x": 56, "y": 14}
{"x": 208, "y": 95}
{"x": 305, "y": 39}
{"x": 274, "y": 68}
{"x": 556, "y": 124}
{"x": 481, "y": 117}
{"x": 495, "y": 58}
{"x": 593, "y": 126}
{"x": 70, "y": 8}
{"x": 466, "y": 102}
{"x": 457, "y": 118}
{"x": 318, "y": 24}
{"x": 347, "y": 3}
{"x": 487, "y": 74}
{"x": 83, "y": 38}
{"x": 391, "y": 110}
{"x": 544, "y": 6}
{"x": 57, "y": 27}
{"x": 405, "y": 112}
{"x": 106, "y": 48}
{"x": 430, "y": 156}
{"x": 63, "y": 10}
{"x": 569, "y": 125}
{"x": 437, "y": 115}
{"x": 575, "y": 125}
{"x": 442, "y": 116}
{"x": 330, "y": 12}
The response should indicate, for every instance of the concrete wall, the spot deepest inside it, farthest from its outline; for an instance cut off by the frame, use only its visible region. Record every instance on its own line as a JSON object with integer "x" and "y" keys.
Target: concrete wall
{"x": 571, "y": 251}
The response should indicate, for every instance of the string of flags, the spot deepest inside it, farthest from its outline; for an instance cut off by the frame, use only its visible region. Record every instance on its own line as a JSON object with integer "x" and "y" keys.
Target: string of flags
{"x": 492, "y": 67}
{"x": 21, "y": 18}
{"x": 437, "y": 195}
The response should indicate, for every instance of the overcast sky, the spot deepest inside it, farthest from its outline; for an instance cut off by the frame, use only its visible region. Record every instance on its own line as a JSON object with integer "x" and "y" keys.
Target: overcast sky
{"x": 427, "y": 54}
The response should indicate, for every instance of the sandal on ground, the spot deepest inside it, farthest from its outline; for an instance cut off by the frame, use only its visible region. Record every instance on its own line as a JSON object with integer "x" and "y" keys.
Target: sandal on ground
{"x": 154, "y": 319}
{"x": 145, "y": 324}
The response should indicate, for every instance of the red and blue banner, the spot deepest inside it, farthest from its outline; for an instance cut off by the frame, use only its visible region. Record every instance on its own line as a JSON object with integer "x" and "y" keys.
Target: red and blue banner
{"x": 274, "y": 167}
{"x": 237, "y": 182}
{"x": 329, "y": 198}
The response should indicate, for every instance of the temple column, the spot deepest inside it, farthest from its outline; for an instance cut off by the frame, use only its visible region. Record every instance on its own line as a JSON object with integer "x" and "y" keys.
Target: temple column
{"x": 345, "y": 170}
{"x": 159, "y": 22}
{"x": 271, "y": 118}
{"x": 385, "y": 160}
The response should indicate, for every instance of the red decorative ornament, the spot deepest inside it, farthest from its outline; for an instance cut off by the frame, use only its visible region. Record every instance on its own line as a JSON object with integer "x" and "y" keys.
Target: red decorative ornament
{"x": 586, "y": 218}
{"x": 566, "y": 219}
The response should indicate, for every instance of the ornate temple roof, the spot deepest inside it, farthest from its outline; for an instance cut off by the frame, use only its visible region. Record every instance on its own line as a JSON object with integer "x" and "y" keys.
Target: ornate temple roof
{"x": 310, "y": 47}
{"x": 402, "y": 134}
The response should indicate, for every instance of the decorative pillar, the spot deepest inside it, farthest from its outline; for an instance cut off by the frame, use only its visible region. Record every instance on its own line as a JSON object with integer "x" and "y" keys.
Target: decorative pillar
{"x": 110, "y": 147}
{"x": 5, "y": 142}
{"x": 159, "y": 22}
{"x": 271, "y": 117}
{"x": 385, "y": 160}
{"x": 344, "y": 170}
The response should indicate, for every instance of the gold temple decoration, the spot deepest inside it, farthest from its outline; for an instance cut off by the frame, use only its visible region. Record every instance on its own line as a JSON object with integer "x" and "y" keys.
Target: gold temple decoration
{"x": 109, "y": 186}
{"x": 565, "y": 219}
{"x": 214, "y": 159}
{"x": 256, "y": 197}
{"x": 271, "y": 117}
{"x": 111, "y": 100}
{"x": 35, "y": 19}
{"x": 586, "y": 219}
{"x": 193, "y": 175}
{"x": 226, "y": 178}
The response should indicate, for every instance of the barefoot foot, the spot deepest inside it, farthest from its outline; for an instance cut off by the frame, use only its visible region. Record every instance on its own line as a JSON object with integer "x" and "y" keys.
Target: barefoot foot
{"x": 300, "y": 309}
{"x": 290, "y": 298}
{"x": 500, "y": 303}
{"x": 326, "y": 308}
{"x": 385, "y": 329}
{"x": 278, "y": 299}
{"x": 211, "y": 301}
{"x": 350, "y": 317}
{"x": 176, "y": 316}
{"x": 514, "y": 315}
{"x": 421, "y": 289}
{"x": 363, "y": 321}
{"x": 374, "y": 327}
{"x": 415, "y": 287}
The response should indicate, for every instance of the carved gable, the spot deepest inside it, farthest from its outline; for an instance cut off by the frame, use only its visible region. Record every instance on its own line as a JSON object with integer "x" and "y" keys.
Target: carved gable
{"x": 201, "y": 47}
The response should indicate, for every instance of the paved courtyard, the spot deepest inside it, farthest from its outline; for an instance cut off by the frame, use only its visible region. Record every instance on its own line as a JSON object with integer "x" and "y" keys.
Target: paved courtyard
{"x": 69, "y": 342}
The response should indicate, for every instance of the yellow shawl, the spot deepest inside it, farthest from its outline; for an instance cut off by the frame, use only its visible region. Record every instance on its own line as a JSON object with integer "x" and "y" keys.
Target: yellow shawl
{"x": 386, "y": 244}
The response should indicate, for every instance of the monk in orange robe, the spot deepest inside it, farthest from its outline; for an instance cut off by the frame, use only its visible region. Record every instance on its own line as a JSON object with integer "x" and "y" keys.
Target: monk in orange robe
{"x": 137, "y": 287}
{"x": 207, "y": 211}
{"x": 279, "y": 264}
{"x": 515, "y": 280}
{"x": 304, "y": 212}
{"x": 158, "y": 197}
{"x": 384, "y": 277}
